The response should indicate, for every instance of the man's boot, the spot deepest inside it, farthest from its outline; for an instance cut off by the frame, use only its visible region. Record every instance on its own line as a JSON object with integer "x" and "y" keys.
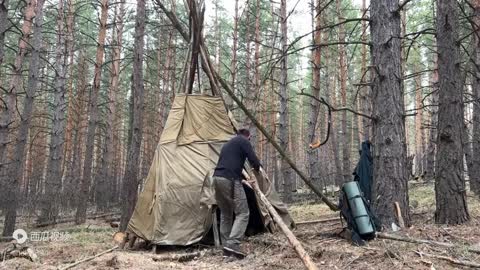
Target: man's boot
{"x": 233, "y": 250}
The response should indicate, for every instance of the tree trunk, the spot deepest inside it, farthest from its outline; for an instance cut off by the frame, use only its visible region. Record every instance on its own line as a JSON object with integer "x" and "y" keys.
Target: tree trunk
{"x": 450, "y": 193}
{"x": 345, "y": 142}
{"x": 389, "y": 154}
{"x": 256, "y": 91}
{"x": 419, "y": 152}
{"x": 430, "y": 163}
{"x": 283, "y": 120}
{"x": 108, "y": 174}
{"x": 233, "y": 70}
{"x": 365, "y": 91}
{"x": 7, "y": 116}
{"x": 474, "y": 170}
{"x": 18, "y": 163}
{"x": 313, "y": 157}
{"x": 130, "y": 181}
{"x": 67, "y": 164}
{"x": 53, "y": 183}
{"x": 82, "y": 201}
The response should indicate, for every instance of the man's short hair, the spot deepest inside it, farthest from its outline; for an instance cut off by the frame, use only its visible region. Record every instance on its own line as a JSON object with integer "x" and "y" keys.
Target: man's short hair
{"x": 243, "y": 131}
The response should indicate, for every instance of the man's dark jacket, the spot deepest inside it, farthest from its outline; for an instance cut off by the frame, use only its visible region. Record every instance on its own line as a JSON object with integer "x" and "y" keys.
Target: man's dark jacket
{"x": 232, "y": 158}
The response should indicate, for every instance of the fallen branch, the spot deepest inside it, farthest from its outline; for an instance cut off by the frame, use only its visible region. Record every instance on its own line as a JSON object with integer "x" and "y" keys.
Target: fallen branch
{"x": 423, "y": 241}
{"x": 317, "y": 221}
{"x": 297, "y": 246}
{"x": 177, "y": 257}
{"x": 88, "y": 258}
{"x": 450, "y": 259}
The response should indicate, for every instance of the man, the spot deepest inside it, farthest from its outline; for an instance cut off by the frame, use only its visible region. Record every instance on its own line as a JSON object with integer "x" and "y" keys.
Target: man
{"x": 229, "y": 192}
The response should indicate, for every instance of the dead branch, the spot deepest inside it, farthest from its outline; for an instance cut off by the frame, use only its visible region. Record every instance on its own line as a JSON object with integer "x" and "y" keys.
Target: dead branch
{"x": 323, "y": 101}
{"x": 177, "y": 257}
{"x": 397, "y": 237}
{"x": 317, "y": 221}
{"x": 450, "y": 259}
{"x": 88, "y": 258}
{"x": 297, "y": 246}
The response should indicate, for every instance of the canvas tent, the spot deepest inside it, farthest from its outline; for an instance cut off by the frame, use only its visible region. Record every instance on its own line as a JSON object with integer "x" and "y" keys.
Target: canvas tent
{"x": 175, "y": 205}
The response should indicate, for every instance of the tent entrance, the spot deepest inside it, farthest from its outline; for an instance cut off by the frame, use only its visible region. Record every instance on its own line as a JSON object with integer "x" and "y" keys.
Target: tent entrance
{"x": 255, "y": 221}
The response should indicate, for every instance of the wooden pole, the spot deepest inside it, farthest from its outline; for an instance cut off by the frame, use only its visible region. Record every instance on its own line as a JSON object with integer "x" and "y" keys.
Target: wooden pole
{"x": 297, "y": 246}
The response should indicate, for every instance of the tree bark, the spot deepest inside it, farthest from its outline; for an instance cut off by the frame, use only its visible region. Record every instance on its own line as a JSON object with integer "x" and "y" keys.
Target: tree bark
{"x": 130, "y": 181}
{"x": 474, "y": 170}
{"x": 390, "y": 151}
{"x": 4, "y": 24}
{"x": 450, "y": 192}
{"x": 7, "y": 116}
{"x": 82, "y": 202}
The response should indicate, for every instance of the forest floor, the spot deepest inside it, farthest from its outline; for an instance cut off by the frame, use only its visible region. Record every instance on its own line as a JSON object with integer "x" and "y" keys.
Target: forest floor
{"x": 272, "y": 251}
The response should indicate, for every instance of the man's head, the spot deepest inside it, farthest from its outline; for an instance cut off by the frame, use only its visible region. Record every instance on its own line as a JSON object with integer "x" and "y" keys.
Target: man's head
{"x": 244, "y": 132}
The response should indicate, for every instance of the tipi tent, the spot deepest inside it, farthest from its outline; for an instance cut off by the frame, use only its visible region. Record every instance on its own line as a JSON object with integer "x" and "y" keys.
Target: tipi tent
{"x": 175, "y": 205}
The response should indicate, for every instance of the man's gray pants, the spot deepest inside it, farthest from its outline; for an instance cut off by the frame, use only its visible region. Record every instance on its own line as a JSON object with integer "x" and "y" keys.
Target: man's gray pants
{"x": 231, "y": 201}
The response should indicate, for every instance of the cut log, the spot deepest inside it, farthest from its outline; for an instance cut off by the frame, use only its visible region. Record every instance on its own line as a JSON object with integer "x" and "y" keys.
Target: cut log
{"x": 297, "y": 246}
{"x": 397, "y": 237}
{"x": 88, "y": 258}
{"x": 452, "y": 260}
